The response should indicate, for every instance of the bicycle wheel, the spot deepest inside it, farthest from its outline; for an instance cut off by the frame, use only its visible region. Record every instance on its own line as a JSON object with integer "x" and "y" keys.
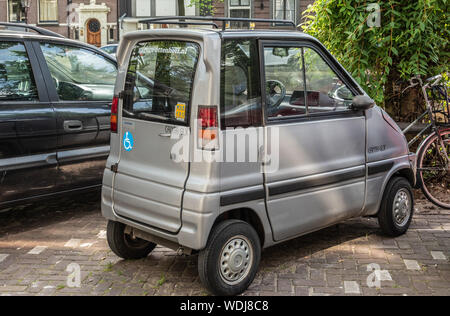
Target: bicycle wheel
{"x": 433, "y": 170}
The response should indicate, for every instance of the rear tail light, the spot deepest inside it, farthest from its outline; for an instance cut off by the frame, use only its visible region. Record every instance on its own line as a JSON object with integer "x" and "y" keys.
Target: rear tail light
{"x": 114, "y": 112}
{"x": 208, "y": 127}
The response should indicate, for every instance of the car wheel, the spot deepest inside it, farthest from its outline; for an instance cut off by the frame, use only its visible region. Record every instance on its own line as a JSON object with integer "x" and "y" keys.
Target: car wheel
{"x": 124, "y": 245}
{"x": 397, "y": 207}
{"x": 228, "y": 264}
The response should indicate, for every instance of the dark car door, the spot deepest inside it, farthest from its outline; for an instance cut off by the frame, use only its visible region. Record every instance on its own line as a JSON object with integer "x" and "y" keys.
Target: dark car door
{"x": 28, "y": 164}
{"x": 81, "y": 86}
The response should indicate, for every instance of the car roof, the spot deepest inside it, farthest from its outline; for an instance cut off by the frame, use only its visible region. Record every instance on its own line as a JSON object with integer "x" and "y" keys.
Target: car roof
{"x": 200, "y": 32}
{"x": 265, "y": 33}
{"x": 12, "y": 34}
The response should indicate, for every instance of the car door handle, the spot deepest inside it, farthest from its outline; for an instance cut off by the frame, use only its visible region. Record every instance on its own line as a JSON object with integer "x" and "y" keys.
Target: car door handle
{"x": 165, "y": 134}
{"x": 73, "y": 126}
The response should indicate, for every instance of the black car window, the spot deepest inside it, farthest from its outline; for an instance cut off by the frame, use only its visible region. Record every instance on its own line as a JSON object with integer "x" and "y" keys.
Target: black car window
{"x": 240, "y": 84}
{"x": 16, "y": 77}
{"x": 80, "y": 74}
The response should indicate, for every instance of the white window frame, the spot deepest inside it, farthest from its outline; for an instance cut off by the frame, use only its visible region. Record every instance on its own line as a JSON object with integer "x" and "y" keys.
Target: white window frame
{"x": 240, "y": 7}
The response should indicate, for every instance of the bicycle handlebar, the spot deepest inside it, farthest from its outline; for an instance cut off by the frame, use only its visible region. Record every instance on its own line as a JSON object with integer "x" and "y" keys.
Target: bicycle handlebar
{"x": 417, "y": 80}
{"x": 434, "y": 78}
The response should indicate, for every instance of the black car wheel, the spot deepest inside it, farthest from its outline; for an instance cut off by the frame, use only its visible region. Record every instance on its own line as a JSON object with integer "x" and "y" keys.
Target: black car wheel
{"x": 397, "y": 207}
{"x": 228, "y": 264}
{"x": 124, "y": 245}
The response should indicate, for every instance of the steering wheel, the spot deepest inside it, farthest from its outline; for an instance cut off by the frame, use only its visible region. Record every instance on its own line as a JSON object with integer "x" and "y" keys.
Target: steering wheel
{"x": 276, "y": 92}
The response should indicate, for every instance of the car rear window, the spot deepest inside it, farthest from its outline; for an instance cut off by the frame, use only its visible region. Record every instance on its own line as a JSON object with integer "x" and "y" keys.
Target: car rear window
{"x": 159, "y": 81}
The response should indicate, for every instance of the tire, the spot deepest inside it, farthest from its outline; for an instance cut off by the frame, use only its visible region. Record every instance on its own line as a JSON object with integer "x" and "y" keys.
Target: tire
{"x": 394, "y": 220}
{"x": 245, "y": 246}
{"x": 124, "y": 246}
{"x": 427, "y": 188}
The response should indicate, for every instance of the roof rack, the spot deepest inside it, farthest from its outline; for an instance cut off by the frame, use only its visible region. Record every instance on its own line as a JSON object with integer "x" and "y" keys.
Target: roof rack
{"x": 184, "y": 23}
{"x": 181, "y": 20}
{"x": 37, "y": 29}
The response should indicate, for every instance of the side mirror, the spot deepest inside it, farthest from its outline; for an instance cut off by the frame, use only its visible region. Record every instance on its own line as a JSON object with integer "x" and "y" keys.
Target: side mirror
{"x": 362, "y": 103}
{"x": 280, "y": 51}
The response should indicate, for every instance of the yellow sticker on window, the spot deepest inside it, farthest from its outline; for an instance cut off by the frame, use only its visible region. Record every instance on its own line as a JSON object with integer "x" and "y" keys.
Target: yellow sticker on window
{"x": 180, "y": 111}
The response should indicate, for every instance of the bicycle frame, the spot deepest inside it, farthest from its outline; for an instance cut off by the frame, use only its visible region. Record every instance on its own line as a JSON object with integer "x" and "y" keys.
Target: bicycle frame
{"x": 429, "y": 111}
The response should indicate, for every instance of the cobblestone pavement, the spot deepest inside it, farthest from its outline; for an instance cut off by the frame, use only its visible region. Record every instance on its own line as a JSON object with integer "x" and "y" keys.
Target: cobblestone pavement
{"x": 38, "y": 244}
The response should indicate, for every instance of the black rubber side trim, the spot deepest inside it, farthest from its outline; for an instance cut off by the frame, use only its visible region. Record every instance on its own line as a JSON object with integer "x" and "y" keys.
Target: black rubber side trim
{"x": 380, "y": 168}
{"x": 235, "y": 198}
{"x": 320, "y": 181}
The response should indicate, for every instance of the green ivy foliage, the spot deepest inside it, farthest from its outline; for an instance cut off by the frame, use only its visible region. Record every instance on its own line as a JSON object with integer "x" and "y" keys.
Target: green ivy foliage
{"x": 412, "y": 39}
{"x": 206, "y": 7}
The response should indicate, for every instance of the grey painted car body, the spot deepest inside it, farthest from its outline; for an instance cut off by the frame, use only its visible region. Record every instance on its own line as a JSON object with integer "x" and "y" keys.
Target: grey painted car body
{"x": 335, "y": 175}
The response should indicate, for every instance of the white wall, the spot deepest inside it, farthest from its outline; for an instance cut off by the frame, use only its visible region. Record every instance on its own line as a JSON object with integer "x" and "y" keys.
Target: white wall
{"x": 143, "y": 8}
{"x": 166, "y": 7}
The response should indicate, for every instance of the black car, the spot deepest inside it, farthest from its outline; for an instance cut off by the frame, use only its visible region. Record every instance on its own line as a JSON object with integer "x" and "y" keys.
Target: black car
{"x": 55, "y": 104}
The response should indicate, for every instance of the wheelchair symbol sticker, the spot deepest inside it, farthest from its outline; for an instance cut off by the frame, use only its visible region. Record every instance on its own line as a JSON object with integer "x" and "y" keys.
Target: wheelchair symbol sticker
{"x": 128, "y": 142}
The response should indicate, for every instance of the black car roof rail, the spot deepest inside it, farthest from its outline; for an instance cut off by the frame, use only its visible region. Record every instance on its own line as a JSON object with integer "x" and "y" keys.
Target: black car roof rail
{"x": 37, "y": 29}
{"x": 224, "y": 20}
{"x": 184, "y": 23}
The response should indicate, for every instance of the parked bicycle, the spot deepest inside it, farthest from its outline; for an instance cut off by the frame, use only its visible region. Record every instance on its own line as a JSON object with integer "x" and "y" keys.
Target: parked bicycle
{"x": 433, "y": 160}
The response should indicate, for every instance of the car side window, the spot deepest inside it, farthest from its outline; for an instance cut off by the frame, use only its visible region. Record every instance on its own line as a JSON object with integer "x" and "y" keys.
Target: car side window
{"x": 298, "y": 81}
{"x": 285, "y": 87}
{"x": 110, "y": 49}
{"x": 16, "y": 76}
{"x": 80, "y": 74}
{"x": 325, "y": 91}
{"x": 240, "y": 84}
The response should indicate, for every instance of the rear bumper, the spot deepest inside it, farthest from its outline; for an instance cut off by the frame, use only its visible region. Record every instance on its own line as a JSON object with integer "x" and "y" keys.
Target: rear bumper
{"x": 195, "y": 226}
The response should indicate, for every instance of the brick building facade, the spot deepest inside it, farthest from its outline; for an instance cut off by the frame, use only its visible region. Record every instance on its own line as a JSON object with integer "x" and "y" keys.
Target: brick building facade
{"x": 91, "y": 21}
{"x": 134, "y": 10}
{"x": 99, "y": 22}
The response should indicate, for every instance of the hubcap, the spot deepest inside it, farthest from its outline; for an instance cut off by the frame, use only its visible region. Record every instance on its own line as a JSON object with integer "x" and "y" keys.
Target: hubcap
{"x": 235, "y": 260}
{"x": 402, "y": 207}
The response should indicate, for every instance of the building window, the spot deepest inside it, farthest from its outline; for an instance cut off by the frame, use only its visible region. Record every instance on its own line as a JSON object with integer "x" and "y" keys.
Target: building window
{"x": 285, "y": 10}
{"x": 16, "y": 11}
{"x": 111, "y": 34}
{"x": 48, "y": 11}
{"x": 239, "y": 9}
